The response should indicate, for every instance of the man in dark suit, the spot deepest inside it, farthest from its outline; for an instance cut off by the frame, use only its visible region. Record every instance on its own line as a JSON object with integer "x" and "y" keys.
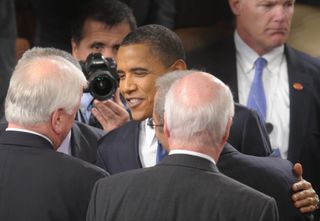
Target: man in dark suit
{"x": 275, "y": 175}
{"x": 144, "y": 55}
{"x": 290, "y": 79}
{"x": 38, "y": 183}
{"x": 82, "y": 140}
{"x": 197, "y": 124}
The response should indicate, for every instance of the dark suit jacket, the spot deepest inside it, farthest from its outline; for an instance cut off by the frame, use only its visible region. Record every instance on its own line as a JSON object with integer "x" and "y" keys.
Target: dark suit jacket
{"x": 38, "y": 183}
{"x": 181, "y": 187}
{"x": 84, "y": 140}
{"x": 269, "y": 175}
{"x": 118, "y": 150}
{"x": 304, "y": 137}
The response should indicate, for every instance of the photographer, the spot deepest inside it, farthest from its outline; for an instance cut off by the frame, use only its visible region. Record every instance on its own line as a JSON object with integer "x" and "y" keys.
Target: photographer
{"x": 100, "y": 28}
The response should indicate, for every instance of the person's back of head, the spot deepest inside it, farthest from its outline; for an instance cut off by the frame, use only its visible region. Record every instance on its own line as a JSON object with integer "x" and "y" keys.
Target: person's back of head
{"x": 43, "y": 82}
{"x": 198, "y": 113}
{"x": 164, "y": 44}
{"x": 108, "y": 12}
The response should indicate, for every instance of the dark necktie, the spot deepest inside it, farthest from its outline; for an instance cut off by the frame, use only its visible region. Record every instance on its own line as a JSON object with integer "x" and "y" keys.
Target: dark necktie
{"x": 257, "y": 97}
{"x": 161, "y": 153}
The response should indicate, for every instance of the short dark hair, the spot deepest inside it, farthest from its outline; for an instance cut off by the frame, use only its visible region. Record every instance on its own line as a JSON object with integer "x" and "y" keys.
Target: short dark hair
{"x": 163, "y": 42}
{"x": 109, "y": 12}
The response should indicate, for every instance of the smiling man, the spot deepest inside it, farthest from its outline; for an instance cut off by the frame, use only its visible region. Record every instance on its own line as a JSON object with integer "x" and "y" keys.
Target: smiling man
{"x": 144, "y": 55}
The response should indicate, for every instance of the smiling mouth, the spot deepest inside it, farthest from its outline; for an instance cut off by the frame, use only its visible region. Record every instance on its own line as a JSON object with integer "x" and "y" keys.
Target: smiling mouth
{"x": 134, "y": 102}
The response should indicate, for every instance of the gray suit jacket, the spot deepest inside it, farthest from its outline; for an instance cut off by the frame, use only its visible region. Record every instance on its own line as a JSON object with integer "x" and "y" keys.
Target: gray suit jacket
{"x": 40, "y": 184}
{"x": 180, "y": 188}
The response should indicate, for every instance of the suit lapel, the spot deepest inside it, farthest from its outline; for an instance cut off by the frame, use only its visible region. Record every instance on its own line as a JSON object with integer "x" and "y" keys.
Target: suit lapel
{"x": 128, "y": 149}
{"x": 299, "y": 103}
{"x": 226, "y": 66}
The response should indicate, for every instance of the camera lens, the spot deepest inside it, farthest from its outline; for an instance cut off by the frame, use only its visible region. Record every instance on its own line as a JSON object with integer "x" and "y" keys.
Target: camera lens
{"x": 102, "y": 87}
{"x": 102, "y": 76}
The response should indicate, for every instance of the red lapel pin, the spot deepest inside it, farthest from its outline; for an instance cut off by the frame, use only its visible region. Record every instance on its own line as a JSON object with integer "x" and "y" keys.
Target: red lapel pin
{"x": 297, "y": 86}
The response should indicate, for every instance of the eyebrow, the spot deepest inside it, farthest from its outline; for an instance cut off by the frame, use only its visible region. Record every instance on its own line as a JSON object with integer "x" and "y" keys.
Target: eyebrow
{"x": 97, "y": 43}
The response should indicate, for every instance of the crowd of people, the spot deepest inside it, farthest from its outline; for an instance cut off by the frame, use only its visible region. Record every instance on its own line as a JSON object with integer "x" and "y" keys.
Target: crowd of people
{"x": 224, "y": 132}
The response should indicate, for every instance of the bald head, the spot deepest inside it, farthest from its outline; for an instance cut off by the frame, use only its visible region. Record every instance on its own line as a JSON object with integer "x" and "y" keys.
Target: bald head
{"x": 198, "y": 109}
{"x": 199, "y": 86}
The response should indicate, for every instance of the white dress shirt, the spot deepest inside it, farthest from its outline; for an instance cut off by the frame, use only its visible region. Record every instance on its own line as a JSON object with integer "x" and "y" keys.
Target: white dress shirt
{"x": 276, "y": 86}
{"x": 65, "y": 147}
{"x": 147, "y": 145}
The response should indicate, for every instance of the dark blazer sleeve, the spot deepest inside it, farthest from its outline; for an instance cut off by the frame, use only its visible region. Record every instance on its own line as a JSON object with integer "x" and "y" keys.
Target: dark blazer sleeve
{"x": 248, "y": 135}
{"x": 118, "y": 150}
{"x": 84, "y": 141}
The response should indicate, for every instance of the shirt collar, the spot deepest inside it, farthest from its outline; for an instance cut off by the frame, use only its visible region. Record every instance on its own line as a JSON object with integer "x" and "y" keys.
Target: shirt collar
{"x": 65, "y": 146}
{"x": 193, "y": 153}
{"x": 30, "y": 132}
{"x": 248, "y": 56}
{"x": 150, "y": 133}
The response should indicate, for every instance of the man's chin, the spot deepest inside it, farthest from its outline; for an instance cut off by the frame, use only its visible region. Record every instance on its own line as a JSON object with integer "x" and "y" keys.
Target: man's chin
{"x": 138, "y": 116}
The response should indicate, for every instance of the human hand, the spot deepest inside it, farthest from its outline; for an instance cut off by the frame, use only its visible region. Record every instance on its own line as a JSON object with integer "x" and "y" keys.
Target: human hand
{"x": 111, "y": 114}
{"x": 304, "y": 197}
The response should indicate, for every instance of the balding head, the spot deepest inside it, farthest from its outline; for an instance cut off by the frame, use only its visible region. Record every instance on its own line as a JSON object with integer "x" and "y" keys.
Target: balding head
{"x": 199, "y": 109}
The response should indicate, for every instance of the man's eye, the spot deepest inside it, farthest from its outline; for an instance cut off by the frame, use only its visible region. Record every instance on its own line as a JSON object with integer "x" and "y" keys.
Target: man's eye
{"x": 121, "y": 76}
{"x": 97, "y": 46}
{"x": 140, "y": 73}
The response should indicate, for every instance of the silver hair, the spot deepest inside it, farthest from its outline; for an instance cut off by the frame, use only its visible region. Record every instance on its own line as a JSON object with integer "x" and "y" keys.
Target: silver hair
{"x": 203, "y": 124}
{"x": 44, "y": 80}
{"x": 163, "y": 85}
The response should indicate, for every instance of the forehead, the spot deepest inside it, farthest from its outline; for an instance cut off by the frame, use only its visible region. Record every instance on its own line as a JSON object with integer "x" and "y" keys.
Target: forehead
{"x": 95, "y": 29}
{"x": 135, "y": 54}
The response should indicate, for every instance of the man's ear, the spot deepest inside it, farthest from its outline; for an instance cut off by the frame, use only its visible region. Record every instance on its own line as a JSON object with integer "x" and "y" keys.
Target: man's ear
{"x": 227, "y": 131}
{"x": 57, "y": 121}
{"x": 179, "y": 64}
{"x": 166, "y": 131}
{"x": 235, "y": 6}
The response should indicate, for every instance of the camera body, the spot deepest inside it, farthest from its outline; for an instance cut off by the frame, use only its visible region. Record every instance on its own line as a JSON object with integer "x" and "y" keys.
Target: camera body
{"x": 102, "y": 76}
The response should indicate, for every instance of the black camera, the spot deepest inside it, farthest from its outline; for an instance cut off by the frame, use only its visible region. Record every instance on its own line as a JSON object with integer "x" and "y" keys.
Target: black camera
{"x": 102, "y": 76}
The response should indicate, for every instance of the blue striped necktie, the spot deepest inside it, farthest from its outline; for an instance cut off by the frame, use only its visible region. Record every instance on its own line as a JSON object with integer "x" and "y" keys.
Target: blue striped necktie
{"x": 257, "y": 97}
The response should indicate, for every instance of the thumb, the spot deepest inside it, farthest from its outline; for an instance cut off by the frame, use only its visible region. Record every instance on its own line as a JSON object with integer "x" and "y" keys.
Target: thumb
{"x": 116, "y": 97}
{"x": 297, "y": 169}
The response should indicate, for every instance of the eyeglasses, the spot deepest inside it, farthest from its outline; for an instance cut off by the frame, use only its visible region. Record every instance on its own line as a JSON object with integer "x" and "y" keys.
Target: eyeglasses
{"x": 152, "y": 125}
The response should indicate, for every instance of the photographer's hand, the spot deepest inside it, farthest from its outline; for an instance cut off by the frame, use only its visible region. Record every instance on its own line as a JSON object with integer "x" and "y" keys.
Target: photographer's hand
{"x": 111, "y": 114}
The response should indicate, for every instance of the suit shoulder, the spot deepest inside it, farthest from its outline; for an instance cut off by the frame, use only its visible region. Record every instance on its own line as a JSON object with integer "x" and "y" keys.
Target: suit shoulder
{"x": 304, "y": 59}
{"x": 78, "y": 166}
{"x": 86, "y": 129}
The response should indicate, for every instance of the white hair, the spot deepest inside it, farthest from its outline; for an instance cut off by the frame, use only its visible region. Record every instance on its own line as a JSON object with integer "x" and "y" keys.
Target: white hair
{"x": 203, "y": 124}
{"x": 44, "y": 80}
